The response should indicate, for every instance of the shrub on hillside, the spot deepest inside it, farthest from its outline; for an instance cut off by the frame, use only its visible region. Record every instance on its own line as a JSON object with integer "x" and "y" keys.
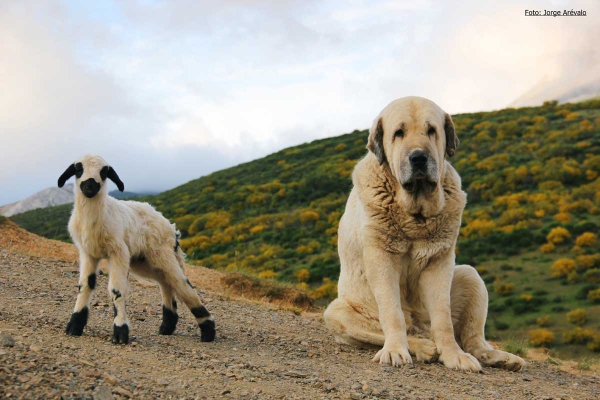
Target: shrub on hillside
{"x": 268, "y": 274}
{"x": 588, "y": 261}
{"x": 562, "y": 267}
{"x": 303, "y": 275}
{"x": 578, "y": 336}
{"x": 541, "y": 337}
{"x": 592, "y": 275}
{"x": 544, "y": 321}
{"x": 558, "y": 235}
{"x": 594, "y": 344}
{"x": 504, "y": 289}
{"x": 547, "y": 248}
{"x": 308, "y": 216}
{"x": 586, "y": 239}
{"x": 577, "y": 316}
{"x": 594, "y": 295}
{"x": 327, "y": 290}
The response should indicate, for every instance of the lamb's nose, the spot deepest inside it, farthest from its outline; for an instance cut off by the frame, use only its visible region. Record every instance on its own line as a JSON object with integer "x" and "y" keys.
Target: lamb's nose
{"x": 418, "y": 158}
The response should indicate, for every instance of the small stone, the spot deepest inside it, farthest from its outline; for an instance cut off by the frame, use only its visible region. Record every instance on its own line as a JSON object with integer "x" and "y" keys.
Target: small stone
{"x": 295, "y": 374}
{"x": 91, "y": 373}
{"x": 7, "y": 341}
{"x": 3, "y": 352}
{"x": 110, "y": 379}
{"x": 122, "y": 391}
{"x": 226, "y": 391}
{"x": 36, "y": 380}
{"x": 35, "y": 347}
{"x": 355, "y": 396}
{"x": 103, "y": 393}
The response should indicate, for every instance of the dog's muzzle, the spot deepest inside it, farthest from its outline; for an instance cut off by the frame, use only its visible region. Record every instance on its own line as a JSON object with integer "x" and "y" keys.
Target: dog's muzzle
{"x": 422, "y": 175}
{"x": 89, "y": 188}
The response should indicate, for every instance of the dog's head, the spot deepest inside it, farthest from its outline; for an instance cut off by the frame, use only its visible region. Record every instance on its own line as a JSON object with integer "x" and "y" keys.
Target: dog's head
{"x": 90, "y": 173}
{"x": 412, "y": 135}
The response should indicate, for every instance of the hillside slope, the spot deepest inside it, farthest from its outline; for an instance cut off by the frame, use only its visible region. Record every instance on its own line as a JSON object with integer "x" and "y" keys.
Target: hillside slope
{"x": 532, "y": 177}
{"x": 259, "y": 353}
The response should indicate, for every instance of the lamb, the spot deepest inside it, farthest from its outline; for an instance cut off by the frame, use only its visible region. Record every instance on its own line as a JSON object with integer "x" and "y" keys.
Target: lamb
{"x": 130, "y": 235}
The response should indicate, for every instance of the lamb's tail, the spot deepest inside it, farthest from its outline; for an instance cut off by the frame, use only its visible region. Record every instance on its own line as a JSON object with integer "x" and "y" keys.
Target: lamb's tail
{"x": 179, "y": 254}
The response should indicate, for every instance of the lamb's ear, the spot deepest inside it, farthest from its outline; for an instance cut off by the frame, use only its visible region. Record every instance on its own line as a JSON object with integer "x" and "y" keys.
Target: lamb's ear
{"x": 451, "y": 138}
{"x": 69, "y": 172}
{"x": 375, "y": 142}
{"x": 112, "y": 175}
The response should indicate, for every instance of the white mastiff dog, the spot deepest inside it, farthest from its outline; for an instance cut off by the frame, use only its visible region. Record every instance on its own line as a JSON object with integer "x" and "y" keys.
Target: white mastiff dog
{"x": 399, "y": 287}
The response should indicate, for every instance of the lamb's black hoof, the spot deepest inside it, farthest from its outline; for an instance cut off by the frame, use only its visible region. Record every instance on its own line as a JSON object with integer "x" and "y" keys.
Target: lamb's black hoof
{"x": 169, "y": 322}
{"x": 120, "y": 334}
{"x": 208, "y": 330}
{"x": 77, "y": 322}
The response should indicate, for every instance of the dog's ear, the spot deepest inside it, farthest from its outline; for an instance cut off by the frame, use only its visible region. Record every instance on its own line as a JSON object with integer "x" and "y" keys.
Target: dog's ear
{"x": 69, "y": 172}
{"x": 375, "y": 142}
{"x": 112, "y": 175}
{"x": 451, "y": 138}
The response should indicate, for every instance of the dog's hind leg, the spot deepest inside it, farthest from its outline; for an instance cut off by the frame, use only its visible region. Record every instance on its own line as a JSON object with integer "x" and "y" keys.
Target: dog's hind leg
{"x": 352, "y": 328}
{"x": 469, "y": 312}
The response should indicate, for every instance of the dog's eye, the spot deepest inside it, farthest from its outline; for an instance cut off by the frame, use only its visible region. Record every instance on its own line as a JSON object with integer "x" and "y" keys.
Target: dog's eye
{"x": 431, "y": 131}
{"x": 399, "y": 133}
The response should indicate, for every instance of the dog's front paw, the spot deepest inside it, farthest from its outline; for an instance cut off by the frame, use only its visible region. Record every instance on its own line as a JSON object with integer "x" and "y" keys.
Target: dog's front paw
{"x": 395, "y": 355}
{"x": 458, "y": 359}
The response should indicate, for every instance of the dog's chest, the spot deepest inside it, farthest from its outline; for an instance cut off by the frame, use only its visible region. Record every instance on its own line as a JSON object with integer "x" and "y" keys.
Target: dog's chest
{"x": 416, "y": 236}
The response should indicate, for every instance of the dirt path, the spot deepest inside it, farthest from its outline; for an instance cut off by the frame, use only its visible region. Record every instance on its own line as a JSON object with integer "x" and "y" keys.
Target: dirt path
{"x": 259, "y": 352}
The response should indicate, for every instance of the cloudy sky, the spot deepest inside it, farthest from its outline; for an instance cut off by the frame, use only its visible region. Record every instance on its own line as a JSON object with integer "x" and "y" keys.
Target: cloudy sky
{"x": 168, "y": 91}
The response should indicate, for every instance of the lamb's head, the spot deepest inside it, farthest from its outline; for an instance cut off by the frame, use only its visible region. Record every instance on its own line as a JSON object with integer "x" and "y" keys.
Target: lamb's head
{"x": 90, "y": 175}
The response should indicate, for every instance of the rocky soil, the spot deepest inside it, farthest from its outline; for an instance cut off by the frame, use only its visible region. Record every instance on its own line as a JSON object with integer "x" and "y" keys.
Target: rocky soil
{"x": 261, "y": 352}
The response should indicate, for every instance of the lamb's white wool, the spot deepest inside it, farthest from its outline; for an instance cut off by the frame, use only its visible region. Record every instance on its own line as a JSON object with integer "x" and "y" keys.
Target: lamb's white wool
{"x": 130, "y": 235}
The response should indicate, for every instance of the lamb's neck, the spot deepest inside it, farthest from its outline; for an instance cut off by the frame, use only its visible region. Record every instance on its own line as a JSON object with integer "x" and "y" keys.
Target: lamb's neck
{"x": 91, "y": 211}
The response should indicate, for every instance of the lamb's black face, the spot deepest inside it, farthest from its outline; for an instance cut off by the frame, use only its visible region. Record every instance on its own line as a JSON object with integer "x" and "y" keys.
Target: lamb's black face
{"x": 91, "y": 174}
{"x": 90, "y": 188}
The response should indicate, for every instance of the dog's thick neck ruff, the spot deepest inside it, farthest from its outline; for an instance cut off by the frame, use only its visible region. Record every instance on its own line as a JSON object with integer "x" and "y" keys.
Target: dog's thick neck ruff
{"x": 415, "y": 215}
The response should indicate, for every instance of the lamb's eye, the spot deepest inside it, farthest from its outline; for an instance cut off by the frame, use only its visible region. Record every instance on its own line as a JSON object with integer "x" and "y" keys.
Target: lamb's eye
{"x": 399, "y": 133}
{"x": 104, "y": 173}
{"x": 78, "y": 170}
{"x": 431, "y": 131}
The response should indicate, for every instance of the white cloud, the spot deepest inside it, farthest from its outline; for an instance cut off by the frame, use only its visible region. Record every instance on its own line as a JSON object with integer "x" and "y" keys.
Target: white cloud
{"x": 170, "y": 91}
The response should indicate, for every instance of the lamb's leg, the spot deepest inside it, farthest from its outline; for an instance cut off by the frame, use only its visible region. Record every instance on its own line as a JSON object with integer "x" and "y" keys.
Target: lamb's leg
{"x": 143, "y": 269}
{"x": 169, "y": 311}
{"x": 87, "y": 282}
{"x": 118, "y": 273}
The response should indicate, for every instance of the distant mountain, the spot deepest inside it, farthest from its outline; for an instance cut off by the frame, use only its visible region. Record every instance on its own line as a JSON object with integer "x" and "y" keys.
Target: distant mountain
{"x": 53, "y": 196}
{"x": 571, "y": 90}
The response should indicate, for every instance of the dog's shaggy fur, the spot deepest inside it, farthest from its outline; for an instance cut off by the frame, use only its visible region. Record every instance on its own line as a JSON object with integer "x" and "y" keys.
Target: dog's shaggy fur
{"x": 399, "y": 288}
{"x": 131, "y": 236}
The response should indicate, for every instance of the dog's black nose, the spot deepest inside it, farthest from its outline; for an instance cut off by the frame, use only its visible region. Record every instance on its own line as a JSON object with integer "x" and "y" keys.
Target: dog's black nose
{"x": 418, "y": 158}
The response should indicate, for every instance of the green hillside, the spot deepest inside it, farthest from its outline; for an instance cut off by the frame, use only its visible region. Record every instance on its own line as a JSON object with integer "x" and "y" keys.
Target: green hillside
{"x": 532, "y": 178}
